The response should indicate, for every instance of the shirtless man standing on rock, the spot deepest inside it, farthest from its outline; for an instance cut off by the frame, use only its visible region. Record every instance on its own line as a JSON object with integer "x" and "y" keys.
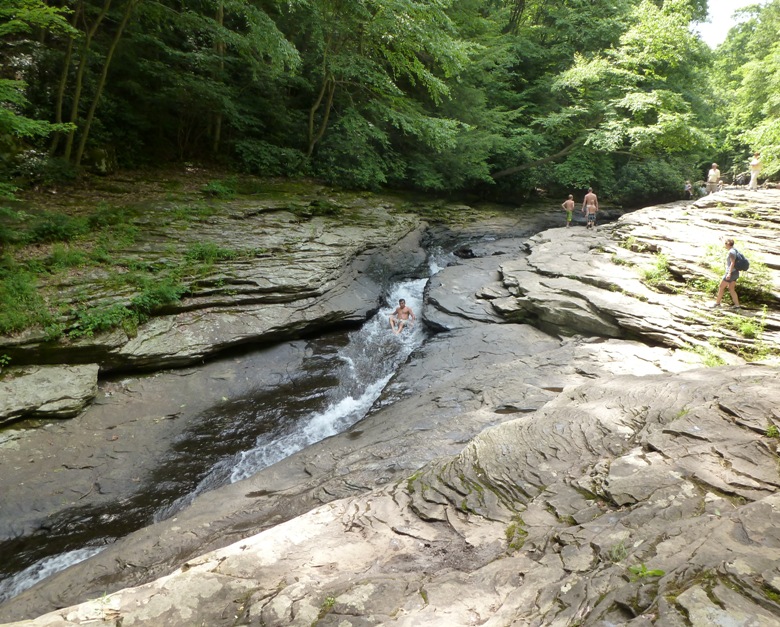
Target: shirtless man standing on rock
{"x": 590, "y": 207}
{"x": 401, "y": 316}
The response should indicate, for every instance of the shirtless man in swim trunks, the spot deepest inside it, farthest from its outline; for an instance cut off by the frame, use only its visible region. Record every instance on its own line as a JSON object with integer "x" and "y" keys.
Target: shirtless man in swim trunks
{"x": 590, "y": 207}
{"x": 401, "y": 316}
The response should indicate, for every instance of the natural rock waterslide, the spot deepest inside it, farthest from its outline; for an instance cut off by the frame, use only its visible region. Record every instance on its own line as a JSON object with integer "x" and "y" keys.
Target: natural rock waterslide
{"x": 88, "y": 480}
{"x": 597, "y": 475}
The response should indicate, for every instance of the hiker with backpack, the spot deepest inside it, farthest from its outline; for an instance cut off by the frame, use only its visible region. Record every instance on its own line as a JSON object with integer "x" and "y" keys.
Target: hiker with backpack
{"x": 735, "y": 261}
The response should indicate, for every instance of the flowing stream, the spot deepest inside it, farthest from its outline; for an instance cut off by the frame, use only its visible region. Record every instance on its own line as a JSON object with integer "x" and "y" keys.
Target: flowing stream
{"x": 364, "y": 366}
{"x": 241, "y": 438}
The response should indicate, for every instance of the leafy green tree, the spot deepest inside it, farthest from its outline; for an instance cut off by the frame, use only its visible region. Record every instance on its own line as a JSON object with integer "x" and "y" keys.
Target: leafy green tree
{"x": 189, "y": 77}
{"x": 494, "y": 96}
{"x": 749, "y": 76}
{"x": 635, "y": 101}
{"x": 374, "y": 71}
{"x": 504, "y": 94}
{"x": 20, "y": 20}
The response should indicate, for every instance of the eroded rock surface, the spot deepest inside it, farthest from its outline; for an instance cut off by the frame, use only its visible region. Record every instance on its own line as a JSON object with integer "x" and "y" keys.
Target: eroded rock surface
{"x": 46, "y": 391}
{"x": 269, "y": 265}
{"x": 287, "y": 272}
{"x": 634, "y": 500}
{"x": 593, "y": 282}
{"x": 584, "y": 469}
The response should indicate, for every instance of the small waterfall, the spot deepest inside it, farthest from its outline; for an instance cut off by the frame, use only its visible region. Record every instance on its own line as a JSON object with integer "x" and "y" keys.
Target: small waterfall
{"x": 363, "y": 367}
{"x": 366, "y": 364}
{"x": 346, "y": 380}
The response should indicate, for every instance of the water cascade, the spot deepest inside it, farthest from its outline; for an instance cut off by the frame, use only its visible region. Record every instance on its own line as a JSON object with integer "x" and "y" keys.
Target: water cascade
{"x": 356, "y": 375}
{"x": 367, "y": 362}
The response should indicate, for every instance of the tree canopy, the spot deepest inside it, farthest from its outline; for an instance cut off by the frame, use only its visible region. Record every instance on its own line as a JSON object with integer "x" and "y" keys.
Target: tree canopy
{"x": 496, "y": 97}
{"x": 747, "y": 81}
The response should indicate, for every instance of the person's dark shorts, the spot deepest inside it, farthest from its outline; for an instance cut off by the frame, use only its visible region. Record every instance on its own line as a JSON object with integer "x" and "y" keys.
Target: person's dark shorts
{"x": 732, "y": 277}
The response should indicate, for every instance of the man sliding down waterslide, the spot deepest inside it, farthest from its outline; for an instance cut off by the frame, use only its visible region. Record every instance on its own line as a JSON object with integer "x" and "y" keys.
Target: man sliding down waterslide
{"x": 401, "y": 316}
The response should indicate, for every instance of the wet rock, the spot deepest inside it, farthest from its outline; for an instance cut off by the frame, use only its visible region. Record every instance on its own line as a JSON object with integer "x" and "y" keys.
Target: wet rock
{"x": 451, "y": 293}
{"x": 458, "y": 384}
{"x": 285, "y": 277}
{"x": 97, "y": 463}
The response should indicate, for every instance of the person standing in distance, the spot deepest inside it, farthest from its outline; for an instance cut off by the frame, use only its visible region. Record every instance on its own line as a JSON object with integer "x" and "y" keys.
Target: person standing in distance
{"x": 590, "y": 207}
{"x": 713, "y": 178}
{"x": 755, "y": 168}
{"x": 729, "y": 279}
{"x": 568, "y": 207}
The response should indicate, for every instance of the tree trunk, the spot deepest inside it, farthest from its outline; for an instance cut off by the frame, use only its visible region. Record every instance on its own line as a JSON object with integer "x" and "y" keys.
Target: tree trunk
{"x": 63, "y": 84}
{"x": 131, "y": 4}
{"x": 515, "y": 16}
{"x": 74, "y": 109}
{"x": 328, "y": 89}
{"x": 219, "y": 46}
{"x": 55, "y": 140}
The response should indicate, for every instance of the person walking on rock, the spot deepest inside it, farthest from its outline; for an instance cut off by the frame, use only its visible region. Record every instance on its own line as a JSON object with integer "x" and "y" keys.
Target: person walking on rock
{"x": 590, "y": 207}
{"x": 755, "y": 168}
{"x": 568, "y": 207}
{"x": 729, "y": 279}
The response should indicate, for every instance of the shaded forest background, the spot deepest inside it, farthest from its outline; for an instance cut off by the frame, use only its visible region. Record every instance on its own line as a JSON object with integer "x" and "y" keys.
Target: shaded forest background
{"x": 495, "y": 97}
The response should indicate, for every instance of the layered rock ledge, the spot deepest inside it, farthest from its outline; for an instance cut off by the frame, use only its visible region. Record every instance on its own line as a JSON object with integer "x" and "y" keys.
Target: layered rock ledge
{"x": 641, "y": 277}
{"x": 293, "y": 265}
{"x": 47, "y": 391}
{"x": 282, "y": 276}
{"x": 559, "y": 456}
{"x": 633, "y": 501}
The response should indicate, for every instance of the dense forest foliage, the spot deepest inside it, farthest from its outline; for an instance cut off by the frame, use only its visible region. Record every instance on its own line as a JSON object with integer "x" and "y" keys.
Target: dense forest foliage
{"x": 496, "y": 97}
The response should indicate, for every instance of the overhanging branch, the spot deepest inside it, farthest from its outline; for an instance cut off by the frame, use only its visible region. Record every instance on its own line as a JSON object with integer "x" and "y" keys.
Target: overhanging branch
{"x": 538, "y": 162}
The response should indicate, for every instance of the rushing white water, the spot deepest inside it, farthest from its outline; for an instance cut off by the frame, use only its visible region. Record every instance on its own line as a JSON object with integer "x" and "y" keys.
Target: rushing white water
{"x": 366, "y": 364}
{"x": 27, "y": 578}
{"x": 438, "y": 259}
{"x": 368, "y": 361}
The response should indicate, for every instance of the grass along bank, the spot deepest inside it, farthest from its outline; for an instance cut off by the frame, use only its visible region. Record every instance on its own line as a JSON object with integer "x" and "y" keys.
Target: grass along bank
{"x": 73, "y": 268}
